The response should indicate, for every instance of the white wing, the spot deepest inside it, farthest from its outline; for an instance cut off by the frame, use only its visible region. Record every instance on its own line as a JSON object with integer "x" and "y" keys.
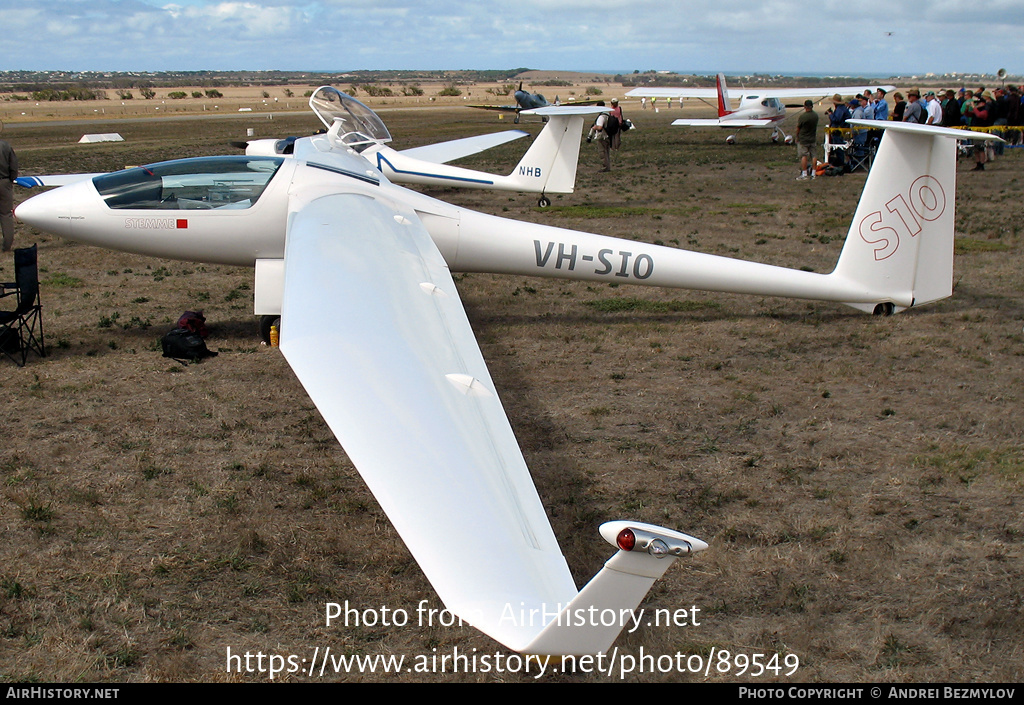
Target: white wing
{"x": 716, "y": 122}
{"x": 373, "y": 326}
{"x": 820, "y": 93}
{"x": 444, "y": 152}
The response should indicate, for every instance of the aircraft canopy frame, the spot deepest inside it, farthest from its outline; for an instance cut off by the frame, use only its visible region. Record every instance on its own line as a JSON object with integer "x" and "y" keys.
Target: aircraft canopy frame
{"x": 360, "y": 126}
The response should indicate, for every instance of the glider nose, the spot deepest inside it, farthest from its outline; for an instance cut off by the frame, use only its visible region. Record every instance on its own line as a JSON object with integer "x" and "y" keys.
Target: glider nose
{"x": 48, "y": 212}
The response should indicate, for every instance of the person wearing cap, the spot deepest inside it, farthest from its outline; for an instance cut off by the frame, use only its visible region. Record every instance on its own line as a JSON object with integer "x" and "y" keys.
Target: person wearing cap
{"x": 881, "y": 107}
{"x": 806, "y": 138}
{"x": 616, "y": 112}
{"x": 863, "y": 111}
{"x": 915, "y": 111}
{"x": 934, "y": 108}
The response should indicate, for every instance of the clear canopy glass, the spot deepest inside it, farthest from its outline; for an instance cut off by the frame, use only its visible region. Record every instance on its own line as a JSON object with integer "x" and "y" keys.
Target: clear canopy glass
{"x": 360, "y": 126}
{"x": 205, "y": 183}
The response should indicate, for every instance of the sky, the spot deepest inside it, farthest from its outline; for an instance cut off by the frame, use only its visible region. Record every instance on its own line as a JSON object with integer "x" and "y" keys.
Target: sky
{"x": 792, "y": 37}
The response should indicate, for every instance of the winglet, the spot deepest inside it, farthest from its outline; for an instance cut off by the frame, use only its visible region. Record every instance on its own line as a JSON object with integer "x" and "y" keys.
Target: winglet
{"x": 593, "y": 620}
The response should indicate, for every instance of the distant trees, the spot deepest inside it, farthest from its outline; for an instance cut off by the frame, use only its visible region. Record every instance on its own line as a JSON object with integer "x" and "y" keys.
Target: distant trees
{"x": 213, "y": 93}
{"x": 177, "y": 95}
{"x": 377, "y": 91}
{"x": 68, "y": 93}
{"x": 450, "y": 90}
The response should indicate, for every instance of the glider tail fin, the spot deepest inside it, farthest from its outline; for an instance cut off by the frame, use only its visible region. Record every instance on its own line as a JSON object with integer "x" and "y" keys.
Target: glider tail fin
{"x": 605, "y": 606}
{"x": 550, "y": 163}
{"x": 900, "y": 244}
{"x": 723, "y": 96}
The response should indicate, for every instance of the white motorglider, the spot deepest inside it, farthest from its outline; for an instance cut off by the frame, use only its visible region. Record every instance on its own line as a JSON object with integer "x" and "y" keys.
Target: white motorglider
{"x": 757, "y": 108}
{"x": 372, "y": 324}
{"x": 549, "y": 165}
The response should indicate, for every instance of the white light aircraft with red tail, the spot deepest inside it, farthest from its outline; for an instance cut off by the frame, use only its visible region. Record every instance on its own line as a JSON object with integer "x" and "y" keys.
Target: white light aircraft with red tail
{"x": 358, "y": 270}
{"x": 757, "y": 108}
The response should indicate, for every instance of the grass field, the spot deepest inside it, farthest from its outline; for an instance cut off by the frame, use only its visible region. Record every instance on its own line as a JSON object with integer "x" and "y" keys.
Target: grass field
{"x": 858, "y": 478}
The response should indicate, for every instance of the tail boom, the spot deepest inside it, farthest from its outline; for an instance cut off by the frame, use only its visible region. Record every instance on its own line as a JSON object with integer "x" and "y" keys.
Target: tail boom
{"x": 898, "y": 253}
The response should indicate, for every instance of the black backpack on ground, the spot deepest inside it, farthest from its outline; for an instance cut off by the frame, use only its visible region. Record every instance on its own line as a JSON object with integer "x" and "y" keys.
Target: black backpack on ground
{"x": 182, "y": 344}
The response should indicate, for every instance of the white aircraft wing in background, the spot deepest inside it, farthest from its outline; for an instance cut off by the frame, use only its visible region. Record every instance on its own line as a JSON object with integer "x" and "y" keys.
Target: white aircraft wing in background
{"x": 444, "y": 152}
{"x": 818, "y": 93}
{"x": 720, "y": 122}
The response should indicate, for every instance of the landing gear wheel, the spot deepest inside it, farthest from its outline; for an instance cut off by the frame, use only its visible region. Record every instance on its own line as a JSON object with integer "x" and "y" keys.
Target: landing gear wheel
{"x": 544, "y": 202}
{"x": 516, "y": 119}
{"x": 265, "y": 323}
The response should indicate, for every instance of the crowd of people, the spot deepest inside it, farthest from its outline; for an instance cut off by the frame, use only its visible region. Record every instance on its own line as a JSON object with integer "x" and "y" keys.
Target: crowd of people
{"x": 980, "y": 108}
{"x": 949, "y": 108}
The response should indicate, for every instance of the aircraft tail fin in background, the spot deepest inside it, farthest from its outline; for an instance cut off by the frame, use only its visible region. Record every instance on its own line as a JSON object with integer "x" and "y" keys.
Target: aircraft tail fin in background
{"x": 901, "y": 239}
{"x": 550, "y": 164}
{"x": 723, "y": 96}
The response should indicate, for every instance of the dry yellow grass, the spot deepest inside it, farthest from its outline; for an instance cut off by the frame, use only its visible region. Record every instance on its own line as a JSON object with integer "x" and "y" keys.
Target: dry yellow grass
{"x": 858, "y": 478}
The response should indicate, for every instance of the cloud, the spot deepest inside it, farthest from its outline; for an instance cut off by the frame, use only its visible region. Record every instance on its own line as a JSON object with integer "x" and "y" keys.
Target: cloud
{"x": 772, "y": 36}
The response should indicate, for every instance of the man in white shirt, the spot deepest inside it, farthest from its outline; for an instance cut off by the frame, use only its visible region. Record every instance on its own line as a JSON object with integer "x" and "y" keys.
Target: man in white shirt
{"x": 934, "y": 109}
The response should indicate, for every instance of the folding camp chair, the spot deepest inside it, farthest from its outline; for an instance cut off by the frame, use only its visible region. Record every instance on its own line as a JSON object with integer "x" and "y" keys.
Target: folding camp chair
{"x": 21, "y": 330}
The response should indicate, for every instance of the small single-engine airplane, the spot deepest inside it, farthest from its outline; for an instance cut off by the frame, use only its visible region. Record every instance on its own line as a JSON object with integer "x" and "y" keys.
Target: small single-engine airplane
{"x": 358, "y": 270}
{"x": 763, "y": 108}
{"x": 528, "y": 104}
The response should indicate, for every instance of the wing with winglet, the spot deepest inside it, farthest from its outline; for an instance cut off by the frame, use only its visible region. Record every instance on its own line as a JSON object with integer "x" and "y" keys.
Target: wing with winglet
{"x": 374, "y": 328}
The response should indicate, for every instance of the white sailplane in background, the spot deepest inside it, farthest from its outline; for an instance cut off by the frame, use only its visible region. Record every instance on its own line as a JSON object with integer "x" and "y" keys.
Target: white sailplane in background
{"x": 757, "y": 108}
{"x": 359, "y": 271}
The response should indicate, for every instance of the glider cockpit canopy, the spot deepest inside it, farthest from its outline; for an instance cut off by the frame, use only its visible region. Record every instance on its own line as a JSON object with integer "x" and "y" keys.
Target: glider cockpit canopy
{"x": 198, "y": 183}
{"x": 360, "y": 127}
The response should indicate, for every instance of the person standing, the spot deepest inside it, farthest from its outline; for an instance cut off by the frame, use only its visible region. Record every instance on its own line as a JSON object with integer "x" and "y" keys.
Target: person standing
{"x": 914, "y": 111}
{"x": 8, "y": 173}
{"x": 933, "y": 109}
{"x": 806, "y": 138}
{"x": 600, "y": 135}
{"x": 899, "y": 107}
{"x": 616, "y": 134}
{"x": 881, "y": 107}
